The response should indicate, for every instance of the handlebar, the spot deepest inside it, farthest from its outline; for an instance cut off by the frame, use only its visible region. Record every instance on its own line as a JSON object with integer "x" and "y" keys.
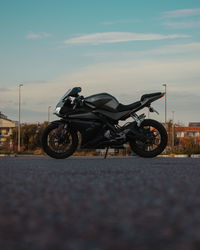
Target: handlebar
{"x": 78, "y": 101}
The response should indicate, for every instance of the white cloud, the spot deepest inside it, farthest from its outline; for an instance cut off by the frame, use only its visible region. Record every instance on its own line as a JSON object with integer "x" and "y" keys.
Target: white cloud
{"x": 117, "y": 37}
{"x": 127, "y": 80}
{"x": 166, "y": 50}
{"x": 183, "y": 48}
{"x": 181, "y": 13}
{"x": 34, "y": 36}
{"x": 182, "y": 25}
{"x": 136, "y": 75}
{"x": 4, "y": 89}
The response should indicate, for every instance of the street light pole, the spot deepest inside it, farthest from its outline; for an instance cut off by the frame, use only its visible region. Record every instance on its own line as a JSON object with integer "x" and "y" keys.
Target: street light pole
{"x": 165, "y": 85}
{"x": 173, "y": 129}
{"x": 49, "y": 113}
{"x": 19, "y": 121}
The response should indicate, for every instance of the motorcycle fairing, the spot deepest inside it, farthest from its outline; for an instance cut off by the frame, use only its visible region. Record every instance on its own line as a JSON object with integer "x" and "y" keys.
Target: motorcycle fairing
{"x": 113, "y": 115}
{"x": 102, "y": 101}
{"x": 84, "y": 116}
{"x": 107, "y": 105}
{"x": 88, "y": 129}
{"x": 99, "y": 110}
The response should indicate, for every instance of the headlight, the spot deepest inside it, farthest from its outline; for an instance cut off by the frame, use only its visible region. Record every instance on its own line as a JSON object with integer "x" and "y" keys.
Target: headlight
{"x": 57, "y": 110}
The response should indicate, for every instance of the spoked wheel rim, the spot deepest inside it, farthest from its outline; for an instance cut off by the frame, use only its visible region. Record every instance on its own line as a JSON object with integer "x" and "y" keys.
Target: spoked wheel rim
{"x": 59, "y": 141}
{"x": 152, "y": 141}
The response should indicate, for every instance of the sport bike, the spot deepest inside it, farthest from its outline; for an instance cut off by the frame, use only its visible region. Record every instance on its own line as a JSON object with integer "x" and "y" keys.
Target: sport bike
{"x": 93, "y": 123}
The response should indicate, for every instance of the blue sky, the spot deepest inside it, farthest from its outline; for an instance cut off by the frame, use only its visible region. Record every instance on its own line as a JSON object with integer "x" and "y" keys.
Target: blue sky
{"x": 126, "y": 48}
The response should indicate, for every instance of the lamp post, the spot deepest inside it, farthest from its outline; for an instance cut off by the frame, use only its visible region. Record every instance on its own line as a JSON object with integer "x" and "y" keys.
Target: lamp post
{"x": 49, "y": 113}
{"x": 165, "y": 85}
{"x": 173, "y": 129}
{"x": 19, "y": 122}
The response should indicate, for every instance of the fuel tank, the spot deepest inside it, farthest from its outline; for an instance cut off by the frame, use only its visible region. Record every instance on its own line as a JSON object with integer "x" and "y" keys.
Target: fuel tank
{"x": 102, "y": 101}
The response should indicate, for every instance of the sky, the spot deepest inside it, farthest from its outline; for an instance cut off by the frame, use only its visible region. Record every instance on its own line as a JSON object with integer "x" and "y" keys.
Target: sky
{"x": 123, "y": 47}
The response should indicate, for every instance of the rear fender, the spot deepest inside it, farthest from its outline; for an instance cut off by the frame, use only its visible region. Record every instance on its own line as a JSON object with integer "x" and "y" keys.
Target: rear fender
{"x": 153, "y": 99}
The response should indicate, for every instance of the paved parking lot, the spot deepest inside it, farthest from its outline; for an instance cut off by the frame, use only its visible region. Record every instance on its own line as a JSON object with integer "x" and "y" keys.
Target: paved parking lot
{"x": 97, "y": 204}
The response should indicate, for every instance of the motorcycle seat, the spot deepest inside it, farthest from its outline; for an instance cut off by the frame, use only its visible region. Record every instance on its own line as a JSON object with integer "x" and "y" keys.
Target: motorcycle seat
{"x": 122, "y": 107}
{"x": 150, "y": 95}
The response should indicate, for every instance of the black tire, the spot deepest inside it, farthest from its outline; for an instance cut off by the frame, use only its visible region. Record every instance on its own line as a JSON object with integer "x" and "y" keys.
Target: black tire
{"x": 143, "y": 148}
{"x": 49, "y": 143}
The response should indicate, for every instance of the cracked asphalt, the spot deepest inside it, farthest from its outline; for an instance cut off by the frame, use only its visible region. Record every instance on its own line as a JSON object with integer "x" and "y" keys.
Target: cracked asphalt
{"x": 97, "y": 204}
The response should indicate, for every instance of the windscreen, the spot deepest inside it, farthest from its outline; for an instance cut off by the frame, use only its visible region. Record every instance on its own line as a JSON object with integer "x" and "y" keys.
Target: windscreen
{"x": 65, "y": 95}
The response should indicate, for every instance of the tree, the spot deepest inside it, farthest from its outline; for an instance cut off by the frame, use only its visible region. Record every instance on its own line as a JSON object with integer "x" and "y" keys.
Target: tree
{"x": 30, "y": 136}
{"x": 191, "y": 147}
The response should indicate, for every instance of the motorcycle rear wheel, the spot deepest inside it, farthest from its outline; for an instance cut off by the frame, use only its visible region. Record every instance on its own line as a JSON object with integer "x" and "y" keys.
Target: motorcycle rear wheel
{"x": 58, "y": 142}
{"x": 156, "y": 139}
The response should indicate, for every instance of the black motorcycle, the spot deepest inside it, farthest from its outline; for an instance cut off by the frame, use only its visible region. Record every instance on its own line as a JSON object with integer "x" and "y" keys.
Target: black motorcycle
{"x": 92, "y": 123}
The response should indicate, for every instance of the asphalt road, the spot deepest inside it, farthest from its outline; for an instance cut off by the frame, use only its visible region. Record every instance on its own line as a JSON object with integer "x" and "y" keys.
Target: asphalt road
{"x": 97, "y": 204}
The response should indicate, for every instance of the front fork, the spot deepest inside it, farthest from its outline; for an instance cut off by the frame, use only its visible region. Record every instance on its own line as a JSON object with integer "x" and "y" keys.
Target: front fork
{"x": 61, "y": 132}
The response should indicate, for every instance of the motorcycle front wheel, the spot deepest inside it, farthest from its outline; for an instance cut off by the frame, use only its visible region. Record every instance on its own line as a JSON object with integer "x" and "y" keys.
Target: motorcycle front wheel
{"x": 59, "y": 142}
{"x": 155, "y": 142}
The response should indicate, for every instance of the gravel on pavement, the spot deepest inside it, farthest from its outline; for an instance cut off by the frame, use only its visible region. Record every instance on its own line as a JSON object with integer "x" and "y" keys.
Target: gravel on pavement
{"x": 97, "y": 204}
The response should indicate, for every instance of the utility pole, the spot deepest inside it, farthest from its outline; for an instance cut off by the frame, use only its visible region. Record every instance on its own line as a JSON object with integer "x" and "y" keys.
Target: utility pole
{"x": 49, "y": 113}
{"x": 165, "y": 85}
{"x": 19, "y": 118}
{"x": 173, "y": 136}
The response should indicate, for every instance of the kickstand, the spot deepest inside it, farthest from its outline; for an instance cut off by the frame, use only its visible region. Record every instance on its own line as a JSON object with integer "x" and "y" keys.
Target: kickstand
{"x": 106, "y": 153}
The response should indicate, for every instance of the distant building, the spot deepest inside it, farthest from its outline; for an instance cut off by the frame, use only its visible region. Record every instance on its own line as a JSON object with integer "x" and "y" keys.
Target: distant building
{"x": 6, "y": 127}
{"x": 184, "y": 133}
{"x": 194, "y": 124}
{"x": 2, "y": 116}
